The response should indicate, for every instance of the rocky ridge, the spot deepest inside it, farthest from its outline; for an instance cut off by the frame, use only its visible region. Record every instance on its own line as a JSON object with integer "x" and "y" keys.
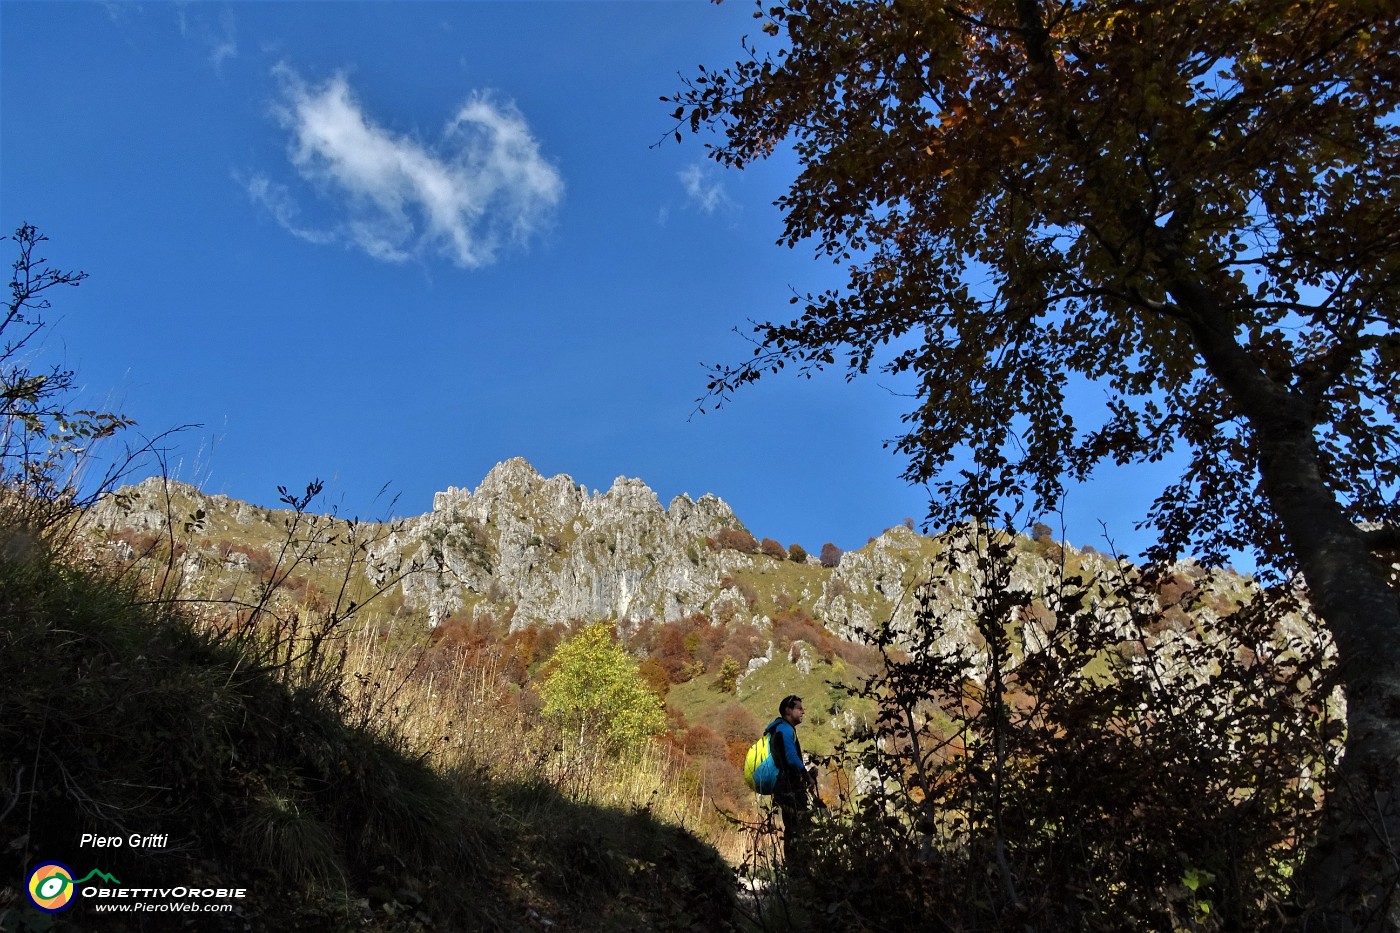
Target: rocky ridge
{"x": 547, "y": 550}
{"x": 534, "y": 550}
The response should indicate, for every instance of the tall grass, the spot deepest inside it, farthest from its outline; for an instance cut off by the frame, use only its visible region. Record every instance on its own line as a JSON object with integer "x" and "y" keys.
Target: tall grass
{"x": 122, "y": 714}
{"x": 465, "y": 717}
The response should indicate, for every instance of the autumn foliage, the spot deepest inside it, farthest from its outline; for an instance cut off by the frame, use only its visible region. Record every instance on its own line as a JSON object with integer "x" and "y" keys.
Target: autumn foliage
{"x": 1086, "y": 234}
{"x": 772, "y": 548}
{"x": 735, "y": 539}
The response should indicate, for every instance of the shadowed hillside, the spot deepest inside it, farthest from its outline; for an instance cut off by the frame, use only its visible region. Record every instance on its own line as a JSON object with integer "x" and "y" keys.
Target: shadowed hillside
{"x": 122, "y": 717}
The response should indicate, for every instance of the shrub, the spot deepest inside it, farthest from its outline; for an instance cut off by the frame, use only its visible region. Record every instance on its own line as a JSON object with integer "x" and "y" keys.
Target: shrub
{"x": 656, "y": 676}
{"x": 260, "y": 561}
{"x": 831, "y": 555}
{"x": 671, "y": 653}
{"x": 743, "y": 642}
{"x": 750, "y": 594}
{"x": 703, "y": 742}
{"x": 1089, "y": 778}
{"x": 797, "y": 624}
{"x": 837, "y": 587}
{"x": 168, "y": 724}
{"x": 735, "y": 721}
{"x": 736, "y": 539}
{"x": 773, "y": 549}
{"x": 797, "y": 553}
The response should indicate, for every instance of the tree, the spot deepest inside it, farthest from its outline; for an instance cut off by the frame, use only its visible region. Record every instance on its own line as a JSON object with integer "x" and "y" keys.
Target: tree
{"x": 1191, "y": 208}
{"x": 27, "y": 396}
{"x": 45, "y": 442}
{"x": 727, "y": 680}
{"x": 597, "y": 691}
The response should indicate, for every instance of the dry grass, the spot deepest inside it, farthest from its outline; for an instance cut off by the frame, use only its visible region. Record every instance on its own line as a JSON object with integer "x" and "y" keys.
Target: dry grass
{"x": 460, "y": 714}
{"x": 467, "y": 719}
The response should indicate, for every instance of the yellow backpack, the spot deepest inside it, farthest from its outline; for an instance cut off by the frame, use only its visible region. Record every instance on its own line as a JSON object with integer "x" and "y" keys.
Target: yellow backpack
{"x": 760, "y": 770}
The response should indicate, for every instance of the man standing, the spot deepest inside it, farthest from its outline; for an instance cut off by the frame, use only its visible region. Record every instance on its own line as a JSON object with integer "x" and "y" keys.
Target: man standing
{"x": 794, "y": 781}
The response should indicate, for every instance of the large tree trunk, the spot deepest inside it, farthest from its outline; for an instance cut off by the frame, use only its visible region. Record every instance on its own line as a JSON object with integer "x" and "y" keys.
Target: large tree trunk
{"x": 1350, "y": 879}
{"x": 1352, "y": 871}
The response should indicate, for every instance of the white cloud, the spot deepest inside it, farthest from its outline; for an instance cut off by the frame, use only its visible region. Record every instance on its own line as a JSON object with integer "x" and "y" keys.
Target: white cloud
{"x": 483, "y": 187}
{"x": 706, "y": 194}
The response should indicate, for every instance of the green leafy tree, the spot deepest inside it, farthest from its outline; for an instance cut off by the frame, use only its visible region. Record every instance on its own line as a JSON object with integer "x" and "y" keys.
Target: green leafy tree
{"x": 597, "y": 692}
{"x": 1189, "y": 206}
{"x": 727, "y": 680}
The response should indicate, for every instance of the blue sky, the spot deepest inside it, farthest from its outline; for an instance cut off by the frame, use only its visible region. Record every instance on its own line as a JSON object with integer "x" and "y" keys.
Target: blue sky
{"x": 392, "y": 244}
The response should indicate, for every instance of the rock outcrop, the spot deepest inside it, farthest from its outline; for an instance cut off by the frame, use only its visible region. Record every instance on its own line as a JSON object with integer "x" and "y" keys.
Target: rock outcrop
{"x": 530, "y": 550}
{"x": 547, "y": 550}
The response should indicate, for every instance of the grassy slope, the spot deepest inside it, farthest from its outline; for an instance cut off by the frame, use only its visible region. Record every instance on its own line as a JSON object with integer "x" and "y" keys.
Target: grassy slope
{"x": 120, "y": 717}
{"x": 761, "y": 691}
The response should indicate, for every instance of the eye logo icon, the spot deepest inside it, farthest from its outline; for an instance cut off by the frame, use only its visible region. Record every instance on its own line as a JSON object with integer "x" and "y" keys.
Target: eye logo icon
{"x": 51, "y": 887}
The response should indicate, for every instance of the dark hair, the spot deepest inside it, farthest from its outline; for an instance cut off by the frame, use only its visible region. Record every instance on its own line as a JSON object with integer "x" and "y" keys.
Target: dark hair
{"x": 788, "y": 703}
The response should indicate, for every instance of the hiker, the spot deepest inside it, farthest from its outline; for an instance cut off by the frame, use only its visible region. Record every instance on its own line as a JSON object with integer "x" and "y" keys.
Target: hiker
{"x": 795, "y": 782}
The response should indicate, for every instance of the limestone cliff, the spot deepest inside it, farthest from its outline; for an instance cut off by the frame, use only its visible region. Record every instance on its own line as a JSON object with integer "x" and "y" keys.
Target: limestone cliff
{"x": 547, "y": 550}
{"x": 536, "y": 550}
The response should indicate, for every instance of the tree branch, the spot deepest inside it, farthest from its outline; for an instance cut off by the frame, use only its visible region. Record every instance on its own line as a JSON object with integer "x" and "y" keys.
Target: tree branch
{"x": 1382, "y": 538}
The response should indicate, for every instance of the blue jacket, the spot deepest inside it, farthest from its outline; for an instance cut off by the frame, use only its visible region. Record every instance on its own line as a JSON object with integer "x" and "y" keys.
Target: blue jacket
{"x": 787, "y": 753}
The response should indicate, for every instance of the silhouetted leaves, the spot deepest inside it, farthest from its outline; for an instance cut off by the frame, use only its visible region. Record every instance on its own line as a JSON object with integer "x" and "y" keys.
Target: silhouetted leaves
{"x": 1083, "y": 756}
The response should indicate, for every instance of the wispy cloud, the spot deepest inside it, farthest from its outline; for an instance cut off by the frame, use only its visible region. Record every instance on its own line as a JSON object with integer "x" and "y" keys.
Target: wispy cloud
{"x": 482, "y": 187}
{"x": 221, "y": 40}
{"x": 704, "y": 192}
{"x": 119, "y": 10}
{"x": 224, "y": 44}
{"x": 284, "y": 209}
